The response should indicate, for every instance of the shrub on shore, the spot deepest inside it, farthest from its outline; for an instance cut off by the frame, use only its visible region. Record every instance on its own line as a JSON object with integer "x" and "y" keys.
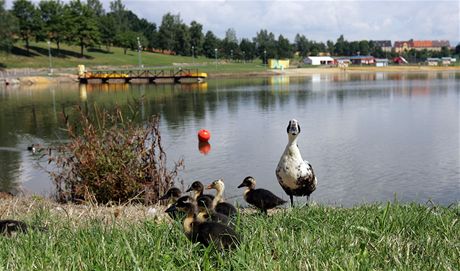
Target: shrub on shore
{"x": 111, "y": 158}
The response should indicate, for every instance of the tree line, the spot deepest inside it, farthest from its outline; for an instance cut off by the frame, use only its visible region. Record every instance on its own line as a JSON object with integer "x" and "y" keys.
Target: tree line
{"x": 87, "y": 24}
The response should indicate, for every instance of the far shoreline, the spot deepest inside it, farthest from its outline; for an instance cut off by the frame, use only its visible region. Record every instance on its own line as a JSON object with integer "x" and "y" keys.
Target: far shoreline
{"x": 65, "y": 76}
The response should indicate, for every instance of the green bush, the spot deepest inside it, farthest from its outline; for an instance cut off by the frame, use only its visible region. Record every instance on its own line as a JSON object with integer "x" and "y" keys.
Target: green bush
{"x": 111, "y": 159}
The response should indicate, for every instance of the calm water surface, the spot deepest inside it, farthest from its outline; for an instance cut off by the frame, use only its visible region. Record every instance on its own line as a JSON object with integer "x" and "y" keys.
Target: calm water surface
{"x": 370, "y": 137}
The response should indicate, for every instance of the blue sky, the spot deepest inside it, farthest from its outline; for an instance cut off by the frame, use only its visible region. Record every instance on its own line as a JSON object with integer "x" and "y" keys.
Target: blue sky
{"x": 317, "y": 20}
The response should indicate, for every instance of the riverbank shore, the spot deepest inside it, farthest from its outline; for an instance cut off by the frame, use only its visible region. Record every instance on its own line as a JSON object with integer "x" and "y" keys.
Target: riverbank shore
{"x": 369, "y": 236}
{"x": 39, "y": 76}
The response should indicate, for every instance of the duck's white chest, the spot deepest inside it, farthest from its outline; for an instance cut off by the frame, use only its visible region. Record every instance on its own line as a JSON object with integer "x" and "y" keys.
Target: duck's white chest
{"x": 291, "y": 168}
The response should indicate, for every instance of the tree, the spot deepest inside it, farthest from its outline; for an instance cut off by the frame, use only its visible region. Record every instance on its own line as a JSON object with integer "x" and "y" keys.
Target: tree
{"x": 364, "y": 47}
{"x": 210, "y": 44}
{"x": 230, "y": 43}
{"x": 339, "y": 48}
{"x": 52, "y": 15}
{"x": 81, "y": 24}
{"x": 196, "y": 37}
{"x": 166, "y": 31}
{"x": 181, "y": 39}
{"x": 8, "y": 25}
{"x": 330, "y": 47}
{"x": 28, "y": 18}
{"x": 265, "y": 44}
{"x": 445, "y": 52}
{"x": 284, "y": 48}
{"x": 457, "y": 49}
{"x": 247, "y": 50}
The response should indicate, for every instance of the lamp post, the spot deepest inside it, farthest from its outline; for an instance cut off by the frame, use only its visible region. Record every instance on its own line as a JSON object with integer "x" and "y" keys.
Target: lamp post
{"x": 215, "y": 53}
{"x": 49, "y": 56}
{"x": 139, "y": 48}
{"x": 193, "y": 55}
{"x": 265, "y": 59}
{"x": 231, "y": 55}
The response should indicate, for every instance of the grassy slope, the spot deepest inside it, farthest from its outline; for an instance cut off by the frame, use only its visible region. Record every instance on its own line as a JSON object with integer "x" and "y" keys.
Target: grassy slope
{"x": 377, "y": 237}
{"x": 69, "y": 57}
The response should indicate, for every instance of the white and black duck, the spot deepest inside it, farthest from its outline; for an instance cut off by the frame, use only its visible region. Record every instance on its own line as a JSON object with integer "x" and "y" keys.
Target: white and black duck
{"x": 295, "y": 175}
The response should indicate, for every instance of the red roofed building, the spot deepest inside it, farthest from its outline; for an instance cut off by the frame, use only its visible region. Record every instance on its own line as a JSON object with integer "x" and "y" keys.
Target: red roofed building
{"x": 430, "y": 45}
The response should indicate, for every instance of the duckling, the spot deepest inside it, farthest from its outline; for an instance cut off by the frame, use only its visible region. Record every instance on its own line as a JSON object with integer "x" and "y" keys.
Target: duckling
{"x": 9, "y": 227}
{"x": 172, "y": 210}
{"x": 207, "y": 213}
{"x": 206, "y": 233}
{"x": 172, "y": 195}
{"x": 197, "y": 187}
{"x": 295, "y": 175}
{"x": 260, "y": 198}
{"x": 218, "y": 203}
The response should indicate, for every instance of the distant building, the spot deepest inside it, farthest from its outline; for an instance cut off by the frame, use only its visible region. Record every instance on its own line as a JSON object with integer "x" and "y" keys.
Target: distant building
{"x": 400, "y": 60}
{"x": 385, "y": 45}
{"x": 342, "y": 61}
{"x": 362, "y": 60}
{"x": 278, "y": 64}
{"x": 319, "y": 60}
{"x": 381, "y": 62}
{"x": 446, "y": 61}
{"x": 419, "y": 45}
{"x": 433, "y": 61}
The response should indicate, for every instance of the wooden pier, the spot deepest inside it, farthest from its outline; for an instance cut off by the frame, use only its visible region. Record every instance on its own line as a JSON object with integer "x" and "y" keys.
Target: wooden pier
{"x": 150, "y": 75}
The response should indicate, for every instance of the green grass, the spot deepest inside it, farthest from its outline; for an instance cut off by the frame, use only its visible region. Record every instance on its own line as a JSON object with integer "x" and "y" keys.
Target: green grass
{"x": 368, "y": 237}
{"x": 69, "y": 58}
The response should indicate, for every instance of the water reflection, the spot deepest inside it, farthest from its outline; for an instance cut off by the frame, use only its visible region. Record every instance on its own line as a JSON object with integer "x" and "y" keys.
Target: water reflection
{"x": 360, "y": 130}
{"x": 204, "y": 147}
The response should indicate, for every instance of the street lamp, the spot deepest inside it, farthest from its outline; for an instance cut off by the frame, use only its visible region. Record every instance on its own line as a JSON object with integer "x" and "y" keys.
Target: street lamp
{"x": 139, "y": 48}
{"x": 215, "y": 53}
{"x": 265, "y": 59}
{"x": 193, "y": 55}
{"x": 49, "y": 56}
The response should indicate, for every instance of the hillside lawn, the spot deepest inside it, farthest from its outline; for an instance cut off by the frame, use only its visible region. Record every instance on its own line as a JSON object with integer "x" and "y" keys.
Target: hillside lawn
{"x": 69, "y": 57}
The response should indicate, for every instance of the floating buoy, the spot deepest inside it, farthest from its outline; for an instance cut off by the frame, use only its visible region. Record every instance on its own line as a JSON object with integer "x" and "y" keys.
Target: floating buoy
{"x": 204, "y": 135}
{"x": 204, "y": 147}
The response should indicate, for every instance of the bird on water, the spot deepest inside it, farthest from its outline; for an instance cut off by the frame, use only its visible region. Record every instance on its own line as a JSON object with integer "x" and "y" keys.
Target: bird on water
{"x": 295, "y": 175}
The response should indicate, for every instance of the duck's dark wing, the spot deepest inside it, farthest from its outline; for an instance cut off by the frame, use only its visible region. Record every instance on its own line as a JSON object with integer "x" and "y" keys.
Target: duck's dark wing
{"x": 263, "y": 199}
{"x": 226, "y": 209}
{"x": 217, "y": 233}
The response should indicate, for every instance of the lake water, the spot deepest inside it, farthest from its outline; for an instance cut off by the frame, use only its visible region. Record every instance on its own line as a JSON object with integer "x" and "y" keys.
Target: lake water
{"x": 370, "y": 137}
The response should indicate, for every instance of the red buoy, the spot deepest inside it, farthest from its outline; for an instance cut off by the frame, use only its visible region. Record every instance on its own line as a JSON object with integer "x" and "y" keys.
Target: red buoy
{"x": 204, "y": 135}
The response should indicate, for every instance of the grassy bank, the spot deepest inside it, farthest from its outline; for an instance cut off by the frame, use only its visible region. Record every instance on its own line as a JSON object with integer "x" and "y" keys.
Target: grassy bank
{"x": 382, "y": 237}
{"x": 68, "y": 57}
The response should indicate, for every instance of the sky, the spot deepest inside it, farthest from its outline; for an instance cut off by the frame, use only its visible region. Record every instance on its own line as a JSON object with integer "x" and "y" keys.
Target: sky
{"x": 317, "y": 20}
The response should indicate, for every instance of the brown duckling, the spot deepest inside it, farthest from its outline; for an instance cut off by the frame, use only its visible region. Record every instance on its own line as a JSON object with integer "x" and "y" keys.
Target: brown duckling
{"x": 197, "y": 187}
{"x": 172, "y": 210}
{"x": 206, "y": 233}
{"x": 172, "y": 195}
{"x": 207, "y": 213}
{"x": 218, "y": 204}
{"x": 8, "y": 227}
{"x": 260, "y": 198}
